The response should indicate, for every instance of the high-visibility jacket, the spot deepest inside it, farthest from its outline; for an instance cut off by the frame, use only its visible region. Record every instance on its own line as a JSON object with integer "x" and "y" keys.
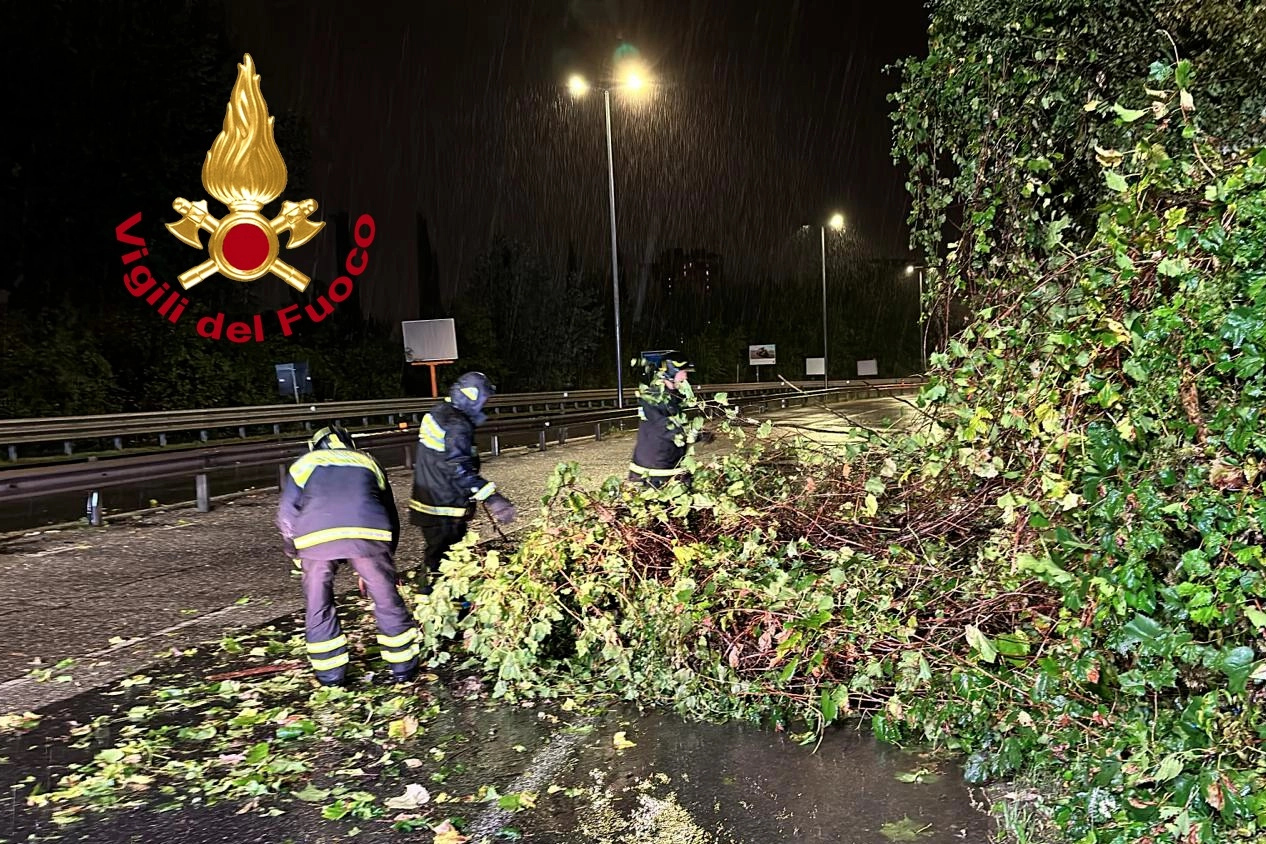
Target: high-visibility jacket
{"x": 337, "y": 504}
{"x": 446, "y": 477}
{"x": 658, "y": 452}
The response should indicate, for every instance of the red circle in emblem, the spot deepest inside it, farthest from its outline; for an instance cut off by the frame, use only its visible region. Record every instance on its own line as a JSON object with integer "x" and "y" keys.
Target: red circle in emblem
{"x": 245, "y": 246}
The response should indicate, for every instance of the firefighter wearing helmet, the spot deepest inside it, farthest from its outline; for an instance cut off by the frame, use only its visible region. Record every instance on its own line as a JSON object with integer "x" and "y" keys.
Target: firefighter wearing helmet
{"x": 447, "y": 484}
{"x": 663, "y": 438}
{"x": 337, "y": 506}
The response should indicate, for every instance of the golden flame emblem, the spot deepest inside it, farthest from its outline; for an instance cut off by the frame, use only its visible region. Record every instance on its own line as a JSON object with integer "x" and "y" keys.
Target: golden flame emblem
{"x": 244, "y": 170}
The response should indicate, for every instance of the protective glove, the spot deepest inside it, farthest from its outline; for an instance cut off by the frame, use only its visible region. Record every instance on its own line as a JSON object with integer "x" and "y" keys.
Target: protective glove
{"x": 502, "y": 510}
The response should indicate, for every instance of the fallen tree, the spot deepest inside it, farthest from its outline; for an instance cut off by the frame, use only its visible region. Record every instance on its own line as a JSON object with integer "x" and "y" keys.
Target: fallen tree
{"x": 1059, "y": 570}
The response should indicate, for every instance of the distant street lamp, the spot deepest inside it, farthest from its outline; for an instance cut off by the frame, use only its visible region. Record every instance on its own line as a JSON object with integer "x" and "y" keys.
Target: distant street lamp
{"x": 837, "y": 223}
{"x": 923, "y": 337}
{"x": 630, "y": 77}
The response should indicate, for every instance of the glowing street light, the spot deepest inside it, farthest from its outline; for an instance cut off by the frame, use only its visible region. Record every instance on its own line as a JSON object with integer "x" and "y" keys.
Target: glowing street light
{"x": 632, "y": 78}
{"x": 837, "y": 222}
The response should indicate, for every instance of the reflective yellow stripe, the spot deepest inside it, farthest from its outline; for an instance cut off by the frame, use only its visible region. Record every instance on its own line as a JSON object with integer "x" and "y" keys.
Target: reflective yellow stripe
{"x": 431, "y": 434}
{"x": 430, "y": 510}
{"x": 325, "y": 647}
{"x": 308, "y": 463}
{"x": 327, "y": 664}
{"x": 485, "y": 491}
{"x": 656, "y": 473}
{"x": 401, "y": 656}
{"x": 471, "y": 393}
{"x": 331, "y": 534}
{"x": 398, "y": 641}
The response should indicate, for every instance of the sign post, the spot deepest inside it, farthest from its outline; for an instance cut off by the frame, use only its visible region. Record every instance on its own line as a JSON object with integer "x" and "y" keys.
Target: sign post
{"x": 430, "y": 342}
{"x": 761, "y": 355}
{"x": 293, "y": 380}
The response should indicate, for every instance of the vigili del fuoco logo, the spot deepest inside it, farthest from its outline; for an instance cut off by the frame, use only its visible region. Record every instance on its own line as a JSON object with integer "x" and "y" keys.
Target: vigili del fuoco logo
{"x": 244, "y": 170}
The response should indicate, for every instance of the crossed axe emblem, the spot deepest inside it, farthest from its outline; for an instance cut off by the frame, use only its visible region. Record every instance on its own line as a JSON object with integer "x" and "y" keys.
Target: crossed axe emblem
{"x": 248, "y": 244}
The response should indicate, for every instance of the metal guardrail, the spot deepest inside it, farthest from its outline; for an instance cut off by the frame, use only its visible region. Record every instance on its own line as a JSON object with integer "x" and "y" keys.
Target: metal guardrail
{"x": 118, "y": 427}
{"x": 19, "y": 484}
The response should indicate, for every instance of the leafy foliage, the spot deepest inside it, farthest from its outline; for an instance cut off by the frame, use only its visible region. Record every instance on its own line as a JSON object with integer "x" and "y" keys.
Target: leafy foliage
{"x": 1061, "y": 571}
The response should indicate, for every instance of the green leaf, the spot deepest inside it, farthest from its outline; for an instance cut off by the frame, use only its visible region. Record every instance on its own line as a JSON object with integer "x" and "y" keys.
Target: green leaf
{"x": 1128, "y": 115}
{"x": 311, "y": 794}
{"x": 1182, "y": 74}
{"x": 257, "y": 754}
{"x": 980, "y": 643}
{"x": 1170, "y": 767}
{"x": 827, "y": 705}
{"x": 1115, "y": 180}
{"x": 905, "y": 830}
{"x": 1256, "y": 616}
{"x": 1236, "y": 664}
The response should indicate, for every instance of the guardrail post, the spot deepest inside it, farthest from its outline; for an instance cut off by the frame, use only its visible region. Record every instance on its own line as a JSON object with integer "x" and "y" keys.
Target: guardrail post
{"x": 391, "y": 419}
{"x": 118, "y": 443}
{"x": 94, "y": 508}
{"x": 162, "y": 439}
{"x": 597, "y": 430}
{"x": 496, "y": 445}
{"x": 66, "y": 446}
{"x": 276, "y": 429}
{"x": 541, "y": 439}
{"x": 13, "y": 454}
{"x": 408, "y": 457}
{"x": 281, "y": 476}
{"x": 241, "y": 431}
{"x": 364, "y": 421}
{"x": 562, "y": 435}
{"x": 202, "y": 489}
{"x": 202, "y": 435}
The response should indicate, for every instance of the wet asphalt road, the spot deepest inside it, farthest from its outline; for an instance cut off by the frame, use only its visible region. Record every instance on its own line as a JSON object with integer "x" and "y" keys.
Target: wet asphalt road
{"x": 116, "y": 599}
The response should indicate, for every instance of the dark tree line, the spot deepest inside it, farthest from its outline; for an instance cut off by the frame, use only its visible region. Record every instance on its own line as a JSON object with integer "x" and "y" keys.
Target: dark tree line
{"x": 118, "y": 122}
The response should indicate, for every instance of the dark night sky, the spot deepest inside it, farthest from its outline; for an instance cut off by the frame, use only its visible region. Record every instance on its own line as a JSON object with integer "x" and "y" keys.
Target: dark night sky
{"x": 769, "y": 115}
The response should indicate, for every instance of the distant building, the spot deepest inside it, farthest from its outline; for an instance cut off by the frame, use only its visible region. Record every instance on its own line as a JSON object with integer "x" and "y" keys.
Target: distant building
{"x": 686, "y": 279}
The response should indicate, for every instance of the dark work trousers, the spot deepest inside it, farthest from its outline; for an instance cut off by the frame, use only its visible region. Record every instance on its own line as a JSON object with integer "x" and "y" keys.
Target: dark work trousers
{"x": 327, "y": 646}
{"x": 441, "y": 533}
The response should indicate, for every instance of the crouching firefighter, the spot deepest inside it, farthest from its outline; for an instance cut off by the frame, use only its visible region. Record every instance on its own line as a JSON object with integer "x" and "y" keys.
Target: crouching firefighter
{"x": 337, "y": 505}
{"x": 446, "y": 480}
{"x": 664, "y": 437}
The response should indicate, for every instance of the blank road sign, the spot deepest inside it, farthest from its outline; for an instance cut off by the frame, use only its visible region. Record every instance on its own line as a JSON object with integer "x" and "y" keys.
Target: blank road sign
{"x": 429, "y": 340}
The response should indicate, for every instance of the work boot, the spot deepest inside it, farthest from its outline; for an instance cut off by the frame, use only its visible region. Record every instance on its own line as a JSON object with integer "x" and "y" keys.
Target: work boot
{"x": 402, "y": 677}
{"x": 338, "y": 682}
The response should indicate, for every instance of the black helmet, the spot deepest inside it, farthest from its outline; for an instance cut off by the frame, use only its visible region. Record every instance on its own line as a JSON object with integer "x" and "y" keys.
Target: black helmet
{"x": 470, "y": 392}
{"x": 331, "y": 436}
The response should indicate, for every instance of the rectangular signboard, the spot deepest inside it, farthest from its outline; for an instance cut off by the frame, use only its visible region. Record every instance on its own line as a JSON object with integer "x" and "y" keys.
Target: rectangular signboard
{"x": 428, "y": 340}
{"x": 867, "y": 367}
{"x": 815, "y": 366}
{"x": 762, "y": 355}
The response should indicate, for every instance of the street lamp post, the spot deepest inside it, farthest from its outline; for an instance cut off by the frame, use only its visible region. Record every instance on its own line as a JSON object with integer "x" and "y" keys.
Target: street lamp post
{"x": 632, "y": 80}
{"x": 837, "y": 223}
{"x": 615, "y": 261}
{"x": 923, "y": 335}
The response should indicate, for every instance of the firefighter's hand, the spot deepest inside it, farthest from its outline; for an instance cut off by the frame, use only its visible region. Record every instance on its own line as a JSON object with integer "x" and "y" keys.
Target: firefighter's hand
{"x": 502, "y": 510}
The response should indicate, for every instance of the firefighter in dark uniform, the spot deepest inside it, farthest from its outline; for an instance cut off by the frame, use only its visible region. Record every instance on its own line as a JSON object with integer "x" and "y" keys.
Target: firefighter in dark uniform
{"x": 337, "y": 505}
{"x": 663, "y": 438}
{"x": 447, "y": 485}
